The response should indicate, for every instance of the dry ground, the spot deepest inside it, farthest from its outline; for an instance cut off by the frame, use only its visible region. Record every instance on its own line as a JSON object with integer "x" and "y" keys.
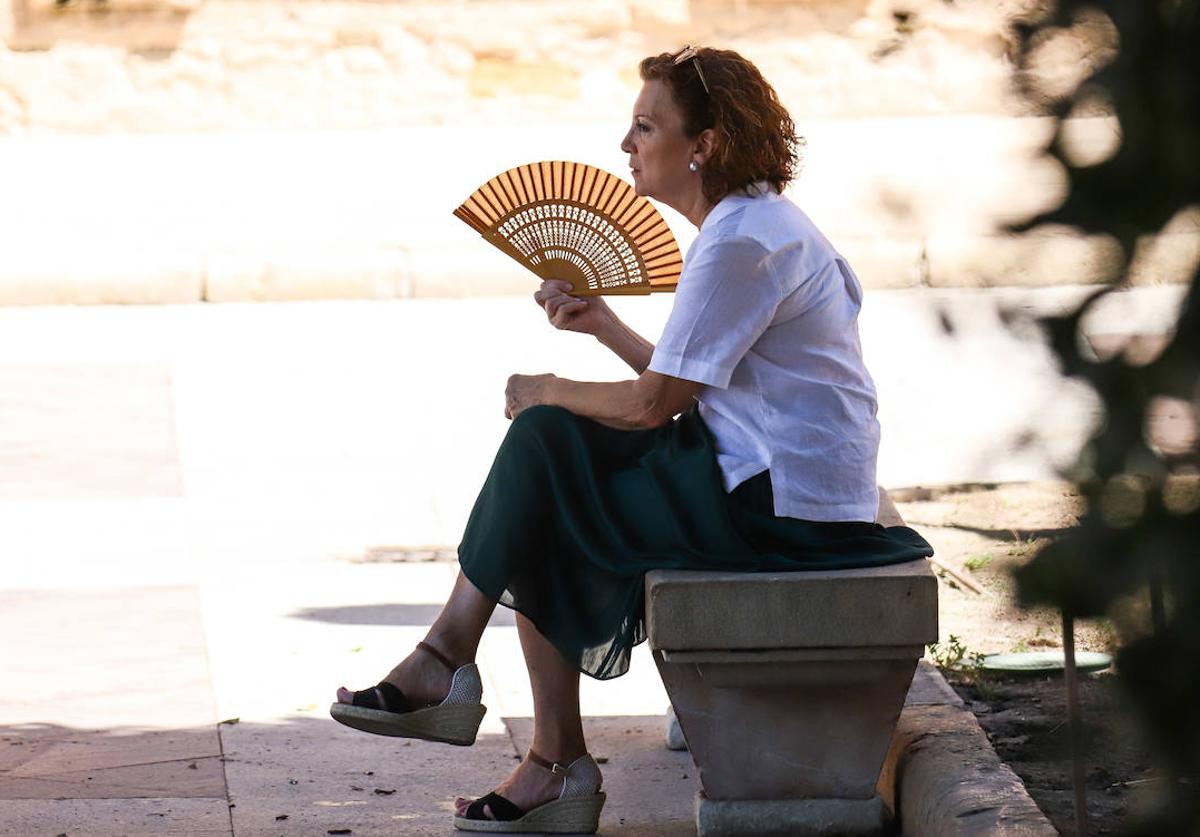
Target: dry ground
{"x": 980, "y": 534}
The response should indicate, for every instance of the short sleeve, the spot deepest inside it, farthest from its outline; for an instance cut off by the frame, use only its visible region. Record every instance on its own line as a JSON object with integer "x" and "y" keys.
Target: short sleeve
{"x": 726, "y": 299}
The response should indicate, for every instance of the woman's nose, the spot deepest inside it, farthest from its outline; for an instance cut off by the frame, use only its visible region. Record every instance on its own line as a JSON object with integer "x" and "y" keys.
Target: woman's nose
{"x": 626, "y": 142}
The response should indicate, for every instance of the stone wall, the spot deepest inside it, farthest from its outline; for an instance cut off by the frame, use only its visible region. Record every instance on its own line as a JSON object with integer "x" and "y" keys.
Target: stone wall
{"x": 100, "y": 66}
{"x": 285, "y": 149}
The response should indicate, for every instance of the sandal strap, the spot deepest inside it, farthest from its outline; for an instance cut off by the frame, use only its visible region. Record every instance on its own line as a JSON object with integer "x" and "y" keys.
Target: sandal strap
{"x": 502, "y": 809}
{"x": 437, "y": 655}
{"x": 383, "y": 696}
{"x": 542, "y": 761}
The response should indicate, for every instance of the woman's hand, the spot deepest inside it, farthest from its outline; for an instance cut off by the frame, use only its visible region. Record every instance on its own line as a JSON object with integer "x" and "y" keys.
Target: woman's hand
{"x": 569, "y": 313}
{"x": 523, "y": 392}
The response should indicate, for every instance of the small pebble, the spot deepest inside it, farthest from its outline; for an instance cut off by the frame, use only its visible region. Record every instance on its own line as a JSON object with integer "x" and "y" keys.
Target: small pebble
{"x": 281, "y": 817}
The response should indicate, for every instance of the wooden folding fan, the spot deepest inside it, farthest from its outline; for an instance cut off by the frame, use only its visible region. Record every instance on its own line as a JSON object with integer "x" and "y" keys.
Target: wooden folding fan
{"x": 575, "y": 222}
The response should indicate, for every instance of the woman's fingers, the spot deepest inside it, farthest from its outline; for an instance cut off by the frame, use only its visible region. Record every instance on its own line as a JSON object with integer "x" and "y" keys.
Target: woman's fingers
{"x": 551, "y": 288}
{"x": 559, "y": 308}
{"x": 562, "y": 313}
{"x": 564, "y": 303}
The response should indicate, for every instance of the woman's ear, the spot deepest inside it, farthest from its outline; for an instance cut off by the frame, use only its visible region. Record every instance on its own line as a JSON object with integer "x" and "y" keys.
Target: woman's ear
{"x": 705, "y": 145}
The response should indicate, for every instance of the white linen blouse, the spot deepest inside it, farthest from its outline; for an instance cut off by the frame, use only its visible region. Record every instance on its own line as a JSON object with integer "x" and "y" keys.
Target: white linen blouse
{"x": 766, "y": 317}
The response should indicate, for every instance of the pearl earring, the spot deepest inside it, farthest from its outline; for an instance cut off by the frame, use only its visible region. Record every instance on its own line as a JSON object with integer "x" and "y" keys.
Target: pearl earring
{"x": 693, "y": 166}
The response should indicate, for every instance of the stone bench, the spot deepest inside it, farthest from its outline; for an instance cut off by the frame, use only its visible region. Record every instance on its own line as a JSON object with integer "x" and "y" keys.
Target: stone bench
{"x": 788, "y": 686}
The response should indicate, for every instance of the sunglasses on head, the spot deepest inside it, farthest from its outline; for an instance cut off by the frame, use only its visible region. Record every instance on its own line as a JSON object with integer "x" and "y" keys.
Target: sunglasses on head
{"x": 689, "y": 52}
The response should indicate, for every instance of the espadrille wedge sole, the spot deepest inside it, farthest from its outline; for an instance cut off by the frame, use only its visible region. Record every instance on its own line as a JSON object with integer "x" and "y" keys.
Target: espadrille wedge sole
{"x": 576, "y": 811}
{"x": 575, "y": 815}
{"x": 448, "y": 724}
{"x": 384, "y": 709}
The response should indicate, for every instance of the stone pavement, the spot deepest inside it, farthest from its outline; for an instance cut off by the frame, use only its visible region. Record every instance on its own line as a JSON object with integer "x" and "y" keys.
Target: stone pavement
{"x": 202, "y": 710}
{"x": 203, "y": 508}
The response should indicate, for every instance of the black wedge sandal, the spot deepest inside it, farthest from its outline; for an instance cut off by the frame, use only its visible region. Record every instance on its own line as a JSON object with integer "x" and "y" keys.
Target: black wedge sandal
{"x": 384, "y": 710}
{"x": 576, "y": 811}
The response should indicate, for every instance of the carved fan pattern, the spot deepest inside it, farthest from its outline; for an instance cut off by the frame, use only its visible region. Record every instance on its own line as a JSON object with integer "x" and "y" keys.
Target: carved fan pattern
{"x": 579, "y": 223}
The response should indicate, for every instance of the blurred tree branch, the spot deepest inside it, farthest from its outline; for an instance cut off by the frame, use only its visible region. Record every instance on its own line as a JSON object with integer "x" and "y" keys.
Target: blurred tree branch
{"x": 1136, "y": 535}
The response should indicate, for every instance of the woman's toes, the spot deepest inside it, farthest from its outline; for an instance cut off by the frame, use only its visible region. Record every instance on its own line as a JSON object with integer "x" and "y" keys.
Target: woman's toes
{"x": 344, "y": 695}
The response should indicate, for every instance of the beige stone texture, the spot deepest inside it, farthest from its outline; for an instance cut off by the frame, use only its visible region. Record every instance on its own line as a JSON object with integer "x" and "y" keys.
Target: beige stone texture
{"x": 1038, "y": 258}
{"x": 787, "y": 687}
{"x": 184, "y": 65}
{"x": 124, "y": 817}
{"x": 942, "y": 777}
{"x": 886, "y": 263}
{"x": 127, "y": 24}
{"x": 929, "y": 160}
{"x": 788, "y": 817}
{"x": 788, "y": 729}
{"x": 816, "y": 609}
{"x": 88, "y": 276}
{"x": 300, "y": 275}
{"x": 54, "y": 763}
{"x": 475, "y": 270}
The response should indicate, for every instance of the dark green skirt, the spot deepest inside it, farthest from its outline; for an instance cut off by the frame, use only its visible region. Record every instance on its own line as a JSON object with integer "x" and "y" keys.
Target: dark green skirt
{"x": 574, "y": 513}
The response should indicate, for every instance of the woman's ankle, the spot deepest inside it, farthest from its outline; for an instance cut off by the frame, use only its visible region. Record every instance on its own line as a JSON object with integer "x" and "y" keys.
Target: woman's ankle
{"x": 453, "y": 654}
{"x": 563, "y": 754}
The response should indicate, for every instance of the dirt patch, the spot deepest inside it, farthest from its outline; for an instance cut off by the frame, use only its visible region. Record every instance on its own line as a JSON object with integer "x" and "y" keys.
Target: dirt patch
{"x": 1026, "y": 721}
{"x": 980, "y": 533}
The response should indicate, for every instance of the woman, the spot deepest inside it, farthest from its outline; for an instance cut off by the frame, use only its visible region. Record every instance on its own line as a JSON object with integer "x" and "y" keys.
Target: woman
{"x": 747, "y": 442}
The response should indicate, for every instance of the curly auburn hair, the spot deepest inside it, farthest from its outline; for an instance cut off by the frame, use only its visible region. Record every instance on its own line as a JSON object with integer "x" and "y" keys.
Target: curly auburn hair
{"x": 756, "y": 138}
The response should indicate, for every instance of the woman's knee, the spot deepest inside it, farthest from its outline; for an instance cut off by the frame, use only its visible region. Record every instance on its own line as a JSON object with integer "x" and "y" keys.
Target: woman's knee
{"x": 540, "y": 421}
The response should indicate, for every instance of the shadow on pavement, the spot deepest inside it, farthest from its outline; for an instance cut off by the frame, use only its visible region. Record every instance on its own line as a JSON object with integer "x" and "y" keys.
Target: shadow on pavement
{"x": 418, "y": 615}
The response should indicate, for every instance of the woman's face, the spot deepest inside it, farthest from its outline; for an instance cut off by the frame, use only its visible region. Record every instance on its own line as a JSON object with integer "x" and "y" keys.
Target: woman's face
{"x": 658, "y": 149}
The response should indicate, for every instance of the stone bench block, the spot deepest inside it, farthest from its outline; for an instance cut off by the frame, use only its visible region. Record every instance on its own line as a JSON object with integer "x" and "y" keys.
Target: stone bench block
{"x": 788, "y": 686}
{"x": 894, "y": 605}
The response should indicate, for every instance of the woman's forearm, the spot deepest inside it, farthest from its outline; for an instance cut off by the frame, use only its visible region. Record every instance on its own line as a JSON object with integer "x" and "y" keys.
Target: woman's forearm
{"x": 627, "y": 344}
{"x": 650, "y": 401}
{"x": 618, "y": 404}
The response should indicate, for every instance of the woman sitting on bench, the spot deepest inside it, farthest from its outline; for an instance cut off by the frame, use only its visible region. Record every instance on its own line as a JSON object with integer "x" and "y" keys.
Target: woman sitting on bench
{"x": 747, "y": 441}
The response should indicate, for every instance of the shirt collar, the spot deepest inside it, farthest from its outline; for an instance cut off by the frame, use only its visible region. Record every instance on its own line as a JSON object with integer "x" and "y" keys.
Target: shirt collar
{"x": 734, "y": 199}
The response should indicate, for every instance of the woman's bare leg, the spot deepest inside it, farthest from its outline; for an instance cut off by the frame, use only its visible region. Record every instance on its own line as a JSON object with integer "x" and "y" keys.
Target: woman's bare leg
{"x": 557, "y": 727}
{"x": 456, "y": 633}
{"x": 459, "y": 625}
